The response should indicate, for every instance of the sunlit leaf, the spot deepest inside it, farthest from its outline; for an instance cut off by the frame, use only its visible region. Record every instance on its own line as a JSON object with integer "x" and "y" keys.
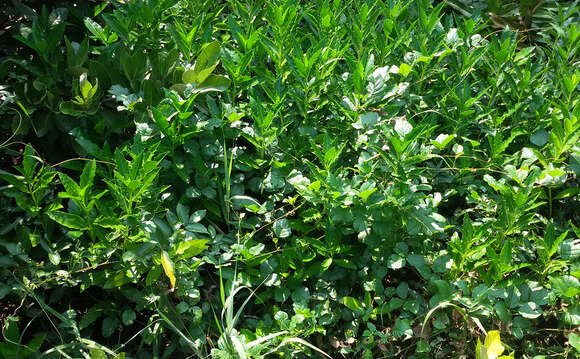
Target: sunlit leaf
{"x": 168, "y": 267}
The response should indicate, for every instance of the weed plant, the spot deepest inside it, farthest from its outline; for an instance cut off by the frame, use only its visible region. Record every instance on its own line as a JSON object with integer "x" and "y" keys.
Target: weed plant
{"x": 288, "y": 178}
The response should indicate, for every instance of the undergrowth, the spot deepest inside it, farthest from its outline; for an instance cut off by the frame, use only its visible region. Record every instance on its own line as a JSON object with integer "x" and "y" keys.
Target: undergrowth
{"x": 285, "y": 178}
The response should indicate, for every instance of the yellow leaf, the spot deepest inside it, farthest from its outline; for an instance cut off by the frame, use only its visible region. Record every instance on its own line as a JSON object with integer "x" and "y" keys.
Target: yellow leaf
{"x": 493, "y": 344}
{"x": 168, "y": 268}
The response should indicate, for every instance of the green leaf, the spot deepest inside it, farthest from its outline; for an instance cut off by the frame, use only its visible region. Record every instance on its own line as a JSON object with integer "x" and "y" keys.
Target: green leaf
{"x": 530, "y": 310}
{"x": 301, "y": 295}
{"x": 109, "y": 326}
{"x": 552, "y": 176}
{"x": 197, "y": 216}
{"x": 395, "y": 261}
{"x": 90, "y": 317}
{"x": 565, "y": 286}
{"x": 54, "y": 258}
{"x": 402, "y": 328}
{"x": 568, "y": 192}
{"x": 352, "y": 303}
{"x": 153, "y": 275}
{"x": 213, "y": 83}
{"x": 569, "y": 249}
{"x": 85, "y": 86}
{"x": 88, "y": 174}
{"x": 36, "y": 342}
{"x": 189, "y": 77}
{"x": 70, "y": 108}
{"x": 418, "y": 261}
{"x": 4, "y": 290}
{"x": 540, "y": 137}
{"x": 96, "y": 30}
{"x": 29, "y": 161}
{"x": 14, "y": 180}
{"x": 273, "y": 280}
{"x": 282, "y": 294}
{"x": 206, "y": 61}
{"x": 326, "y": 264}
{"x": 405, "y": 69}
{"x": 68, "y": 220}
{"x": 72, "y": 188}
{"x": 442, "y": 141}
{"x": 11, "y": 330}
{"x": 403, "y": 127}
{"x": 108, "y": 222}
{"x": 282, "y": 228}
{"x": 403, "y": 290}
{"x": 453, "y": 36}
{"x": 575, "y": 163}
{"x": 505, "y": 255}
{"x": 572, "y": 315}
{"x": 160, "y": 120}
{"x": 480, "y": 351}
{"x": 238, "y": 347}
{"x": 96, "y": 353}
{"x": 128, "y": 316}
{"x": 442, "y": 264}
{"x": 191, "y": 248}
{"x": 574, "y": 340}
{"x": 73, "y": 108}
{"x": 247, "y": 202}
{"x": 196, "y": 228}
{"x": 182, "y": 212}
{"x": 422, "y": 347}
{"x": 502, "y": 312}
{"x": 116, "y": 281}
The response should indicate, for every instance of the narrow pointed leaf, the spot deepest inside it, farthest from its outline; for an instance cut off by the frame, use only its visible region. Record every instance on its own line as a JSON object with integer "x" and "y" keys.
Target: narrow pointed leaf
{"x": 168, "y": 268}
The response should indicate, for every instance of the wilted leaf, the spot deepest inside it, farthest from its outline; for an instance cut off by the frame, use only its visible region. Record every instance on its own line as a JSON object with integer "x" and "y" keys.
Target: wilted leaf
{"x": 168, "y": 267}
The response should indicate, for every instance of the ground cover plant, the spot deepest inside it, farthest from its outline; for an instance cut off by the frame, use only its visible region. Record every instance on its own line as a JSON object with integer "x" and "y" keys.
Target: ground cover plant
{"x": 285, "y": 178}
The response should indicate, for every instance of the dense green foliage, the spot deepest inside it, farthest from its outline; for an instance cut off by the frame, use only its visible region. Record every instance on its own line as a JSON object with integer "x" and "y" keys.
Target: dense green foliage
{"x": 289, "y": 178}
